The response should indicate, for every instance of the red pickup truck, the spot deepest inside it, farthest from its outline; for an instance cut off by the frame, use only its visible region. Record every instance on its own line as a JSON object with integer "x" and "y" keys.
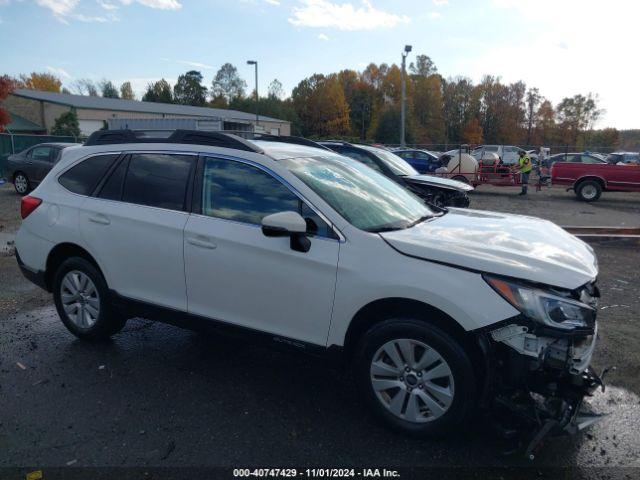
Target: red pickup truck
{"x": 589, "y": 180}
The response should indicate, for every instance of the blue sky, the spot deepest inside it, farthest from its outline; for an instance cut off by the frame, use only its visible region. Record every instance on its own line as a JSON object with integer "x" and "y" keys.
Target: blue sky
{"x": 563, "y": 47}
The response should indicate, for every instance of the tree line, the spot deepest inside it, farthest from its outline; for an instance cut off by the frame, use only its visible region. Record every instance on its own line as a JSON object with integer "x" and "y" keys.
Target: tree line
{"x": 365, "y": 105}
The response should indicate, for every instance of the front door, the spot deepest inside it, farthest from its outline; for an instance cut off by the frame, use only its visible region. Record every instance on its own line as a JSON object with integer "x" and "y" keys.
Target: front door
{"x": 238, "y": 275}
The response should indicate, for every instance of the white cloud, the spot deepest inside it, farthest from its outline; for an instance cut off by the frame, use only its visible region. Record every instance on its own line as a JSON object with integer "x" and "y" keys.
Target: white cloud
{"x": 65, "y": 10}
{"x": 61, "y": 72}
{"x": 323, "y": 37}
{"x": 196, "y": 64}
{"x": 273, "y": 2}
{"x": 344, "y": 16}
{"x": 60, "y": 8}
{"x": 108, "y": 6}
{"x": 156, "y": 4}
{"x": 434, "y": 15}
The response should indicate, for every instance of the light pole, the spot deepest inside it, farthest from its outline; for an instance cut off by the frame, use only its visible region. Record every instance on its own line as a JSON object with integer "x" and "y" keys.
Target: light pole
{"x": 255, "y": 63}
{"x": 407, "y": 49}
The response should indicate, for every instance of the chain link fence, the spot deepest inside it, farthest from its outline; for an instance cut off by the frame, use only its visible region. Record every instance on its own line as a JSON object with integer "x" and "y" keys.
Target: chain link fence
{"x": 12, "y": 143}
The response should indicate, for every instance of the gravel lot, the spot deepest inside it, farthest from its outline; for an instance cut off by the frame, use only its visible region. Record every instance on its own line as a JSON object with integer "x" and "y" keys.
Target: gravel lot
{"x": 161, "y": 396}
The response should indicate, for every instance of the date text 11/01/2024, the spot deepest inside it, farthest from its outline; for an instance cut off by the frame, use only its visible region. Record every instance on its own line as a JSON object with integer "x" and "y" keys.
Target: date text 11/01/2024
{"x": 316, "y": 472}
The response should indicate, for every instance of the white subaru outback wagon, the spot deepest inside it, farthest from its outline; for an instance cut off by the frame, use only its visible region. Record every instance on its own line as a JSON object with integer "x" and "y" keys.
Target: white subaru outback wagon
{"x": 437, "y": 311}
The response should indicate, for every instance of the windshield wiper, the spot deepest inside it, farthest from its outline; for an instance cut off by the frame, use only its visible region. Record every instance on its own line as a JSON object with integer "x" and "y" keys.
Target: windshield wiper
{"x": 420, "y": 220}
{"x": 390, "y": 228}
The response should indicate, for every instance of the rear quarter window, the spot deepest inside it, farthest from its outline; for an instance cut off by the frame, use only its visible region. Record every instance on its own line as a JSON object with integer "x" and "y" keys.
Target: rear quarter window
{"x": 84, "y": 177}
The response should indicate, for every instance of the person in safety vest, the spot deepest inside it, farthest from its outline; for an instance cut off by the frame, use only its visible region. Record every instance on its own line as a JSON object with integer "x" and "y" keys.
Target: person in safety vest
{"x": 524, "y": 162}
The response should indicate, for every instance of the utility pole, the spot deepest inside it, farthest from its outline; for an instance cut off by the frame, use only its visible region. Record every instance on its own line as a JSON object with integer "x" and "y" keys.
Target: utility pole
{"x": 255, "y": 64}
{"x": 403, "y": 113}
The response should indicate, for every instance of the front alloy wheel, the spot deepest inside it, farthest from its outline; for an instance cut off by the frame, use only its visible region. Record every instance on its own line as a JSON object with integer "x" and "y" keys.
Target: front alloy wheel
{"x": 412, "y": 380}
{"x": 415, "y": 377}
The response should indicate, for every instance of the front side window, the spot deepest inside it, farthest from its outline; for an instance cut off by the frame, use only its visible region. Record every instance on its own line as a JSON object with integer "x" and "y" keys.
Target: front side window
{"x": 396, "y": 164}
{"x": 41, "y": 153}
{"x": 243, "y": 193}
{"x": 158, "y": 180}
{"x": 84, "y": 177}
{"x": 362, "y": 158}
{"x": 362, "y": 196}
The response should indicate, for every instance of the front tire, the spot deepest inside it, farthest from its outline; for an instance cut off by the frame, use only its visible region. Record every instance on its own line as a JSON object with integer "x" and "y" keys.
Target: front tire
{"x": 415, "y": 377}
{"x": 82, "y": 299}
{"x": 21, "y": 183}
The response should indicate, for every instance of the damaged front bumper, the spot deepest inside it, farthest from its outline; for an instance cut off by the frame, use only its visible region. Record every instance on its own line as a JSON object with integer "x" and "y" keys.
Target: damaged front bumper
{"x": 539, "y": 381}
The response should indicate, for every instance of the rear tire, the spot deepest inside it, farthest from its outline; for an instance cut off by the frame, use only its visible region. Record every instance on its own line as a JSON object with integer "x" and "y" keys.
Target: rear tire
{"x": 21, "y": 183}
{"x": 461, "y": 178}
{"x": 82, "y": 299}
{"x": 588, "y": 190}
{"x": 428, "y": 395}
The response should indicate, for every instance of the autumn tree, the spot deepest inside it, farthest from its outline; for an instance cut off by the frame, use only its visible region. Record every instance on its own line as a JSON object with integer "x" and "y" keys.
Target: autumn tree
{"x": 126, "y": 91}
{"x": 275, "y": 89}
{"x": 423, "y": 66}
{"x": 46, "y": 82}
{"x": 472, "y": 132}
{"x": 460, "y": 103}
{"x": 66, "y": 124}
{"x": 321, "y": 106}
{"x": 7, "y": 85}
{"x": 85, "y": 86}
{"x": 577, "y": 114}
{"x": 108, "y": 89}
{"x": 545, "y": 129}
{"x": 426, "y": 101}
{"x": 189, "y": 90}
{"x": 159, "y": 92}
{"x": 227, "y": 83}
{"x": 533, "y": 100}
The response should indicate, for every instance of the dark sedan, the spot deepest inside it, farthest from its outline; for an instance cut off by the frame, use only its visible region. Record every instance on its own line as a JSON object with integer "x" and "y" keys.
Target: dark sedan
{"x": 27, "y": 168}
{"x": 438, "y": 191}
{"x": 422, "y": 160}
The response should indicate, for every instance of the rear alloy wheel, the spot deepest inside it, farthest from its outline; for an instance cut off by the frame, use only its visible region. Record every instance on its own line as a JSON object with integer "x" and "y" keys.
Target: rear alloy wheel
{"x": 81, "y": 296}
{"x": 21, "y": 183}
{"x": 415, "y": 377}
{"x": 589, "y": 190}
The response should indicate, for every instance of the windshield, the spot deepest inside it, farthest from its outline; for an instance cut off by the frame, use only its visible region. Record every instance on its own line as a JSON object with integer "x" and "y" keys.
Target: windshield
{"x": 364, "y": 197}
{"x": 397, "y": 164}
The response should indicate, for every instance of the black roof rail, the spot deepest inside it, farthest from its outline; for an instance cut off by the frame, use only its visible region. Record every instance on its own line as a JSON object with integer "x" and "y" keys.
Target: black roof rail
{"x": 288, "y": 139}
{"x": 338, "y": 142}
{"x": 192, "y": 137}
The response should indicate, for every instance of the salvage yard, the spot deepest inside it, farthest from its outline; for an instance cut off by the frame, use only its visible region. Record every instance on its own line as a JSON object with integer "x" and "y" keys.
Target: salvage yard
{"x": 162, "y": 396}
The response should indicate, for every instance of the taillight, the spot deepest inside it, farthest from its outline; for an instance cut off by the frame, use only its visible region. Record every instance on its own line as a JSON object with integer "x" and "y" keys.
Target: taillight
{"x": 28, "y": 205}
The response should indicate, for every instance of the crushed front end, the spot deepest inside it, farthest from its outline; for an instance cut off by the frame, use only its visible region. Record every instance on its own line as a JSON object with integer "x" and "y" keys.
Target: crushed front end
{"x": 538, "y": 363}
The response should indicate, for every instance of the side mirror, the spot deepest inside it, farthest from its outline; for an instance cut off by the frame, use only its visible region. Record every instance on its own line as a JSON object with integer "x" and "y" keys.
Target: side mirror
{"x": 287, "y": 224}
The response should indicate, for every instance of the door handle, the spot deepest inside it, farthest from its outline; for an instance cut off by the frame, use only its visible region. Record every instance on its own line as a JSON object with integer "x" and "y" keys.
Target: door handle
{"x": 101, "y": 219}
{"x": 202, "y": 243}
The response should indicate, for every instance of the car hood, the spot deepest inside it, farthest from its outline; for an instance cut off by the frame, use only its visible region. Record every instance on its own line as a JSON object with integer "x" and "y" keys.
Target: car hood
{"x": 517, "y": 246}
{"x": 439, "y": 182}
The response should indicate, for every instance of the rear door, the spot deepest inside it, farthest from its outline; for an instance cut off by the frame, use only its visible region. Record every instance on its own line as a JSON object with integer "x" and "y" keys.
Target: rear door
{"x": 238, "y": 275}
{"x": 134, "y": 226}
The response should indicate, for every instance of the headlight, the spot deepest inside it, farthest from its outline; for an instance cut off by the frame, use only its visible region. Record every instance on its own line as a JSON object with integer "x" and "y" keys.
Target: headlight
{"x": 545, "y": 307}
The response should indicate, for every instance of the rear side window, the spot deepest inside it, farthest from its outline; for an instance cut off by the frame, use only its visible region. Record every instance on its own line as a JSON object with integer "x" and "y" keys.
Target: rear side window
{"x": 84, "y": 177}
{"x": 112, "y": 189}
{"x": 158, "y": 180}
